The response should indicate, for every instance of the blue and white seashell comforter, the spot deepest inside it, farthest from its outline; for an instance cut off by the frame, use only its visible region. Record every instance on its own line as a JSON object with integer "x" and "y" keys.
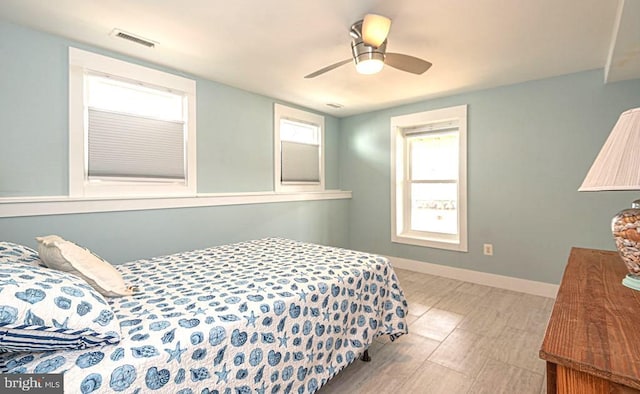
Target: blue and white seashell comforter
{"x": 263, "y": 316}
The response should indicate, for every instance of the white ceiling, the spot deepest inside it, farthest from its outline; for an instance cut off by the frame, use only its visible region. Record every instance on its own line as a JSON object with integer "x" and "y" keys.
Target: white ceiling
{"x": 267, "y": 47}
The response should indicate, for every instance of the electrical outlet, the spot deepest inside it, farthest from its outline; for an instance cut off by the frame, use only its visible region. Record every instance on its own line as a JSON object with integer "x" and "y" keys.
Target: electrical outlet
{"x": 488, "y": 249}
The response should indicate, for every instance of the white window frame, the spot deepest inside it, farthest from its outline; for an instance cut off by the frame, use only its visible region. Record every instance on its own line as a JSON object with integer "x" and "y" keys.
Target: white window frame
{"x": 296, "y": 115}
{"x": 82, "y": 63}
{"x": 400, "y": 198}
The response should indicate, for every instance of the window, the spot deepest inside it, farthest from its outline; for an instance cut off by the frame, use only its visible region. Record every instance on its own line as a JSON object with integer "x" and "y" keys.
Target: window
{"x": 299, "y": 150}
{"x": 131, "y": 129}
{"x": 428, "y": 182}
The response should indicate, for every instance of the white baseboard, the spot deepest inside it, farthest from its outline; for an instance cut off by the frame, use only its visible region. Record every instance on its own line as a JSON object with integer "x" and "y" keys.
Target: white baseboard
{"x": 483, "y": 278}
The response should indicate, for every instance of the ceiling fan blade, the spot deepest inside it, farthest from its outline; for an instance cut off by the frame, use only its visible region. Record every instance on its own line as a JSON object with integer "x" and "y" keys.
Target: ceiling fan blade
{"x": 407, "y": 63}
{"x": 328, "y": 68}
{"x": 375, "y": 29}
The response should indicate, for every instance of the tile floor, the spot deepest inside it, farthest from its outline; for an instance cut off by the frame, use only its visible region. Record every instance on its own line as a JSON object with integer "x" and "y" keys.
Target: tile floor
{"x": 463, "y": 338}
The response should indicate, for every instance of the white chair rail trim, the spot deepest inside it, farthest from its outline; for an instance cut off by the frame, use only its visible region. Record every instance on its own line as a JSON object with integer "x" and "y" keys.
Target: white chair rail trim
{"x": 61, "y": 205}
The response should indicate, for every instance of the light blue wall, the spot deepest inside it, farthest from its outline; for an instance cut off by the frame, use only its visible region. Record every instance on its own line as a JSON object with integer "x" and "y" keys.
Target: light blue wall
{"x": 235, "y": 154}
{"x": 33, "y": 113}
{"x": 125, "y": 236}
{"x": 529, "y": 147}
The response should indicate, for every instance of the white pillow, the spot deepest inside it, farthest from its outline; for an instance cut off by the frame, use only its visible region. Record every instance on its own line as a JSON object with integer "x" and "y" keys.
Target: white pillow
{"x": 63, "y": 255}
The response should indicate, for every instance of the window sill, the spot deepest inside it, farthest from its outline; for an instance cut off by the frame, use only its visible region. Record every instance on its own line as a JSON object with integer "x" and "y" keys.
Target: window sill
{"x": 430, "y": 243}
{"x": 62, "y": 205}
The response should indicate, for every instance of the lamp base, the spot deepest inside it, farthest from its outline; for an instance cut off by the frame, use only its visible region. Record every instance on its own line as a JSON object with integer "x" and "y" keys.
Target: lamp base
{"x": 632, "y": 282}
{"x": 626, "y": 233}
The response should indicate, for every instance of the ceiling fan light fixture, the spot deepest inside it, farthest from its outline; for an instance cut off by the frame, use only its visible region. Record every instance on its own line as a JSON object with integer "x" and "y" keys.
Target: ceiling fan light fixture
{"x": 368, "y": 60}
{"x": 369, "y": 50}
{"x": 375, "y": 29}
{"x": 369, "y": 66}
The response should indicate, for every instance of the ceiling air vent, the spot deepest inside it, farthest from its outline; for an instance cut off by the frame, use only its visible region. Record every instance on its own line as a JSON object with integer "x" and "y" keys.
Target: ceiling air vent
{"x": 133, "y": 38}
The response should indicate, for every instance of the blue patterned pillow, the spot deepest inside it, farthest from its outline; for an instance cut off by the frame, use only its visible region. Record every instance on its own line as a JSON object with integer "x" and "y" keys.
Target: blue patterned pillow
{"x": 10, "y": 252}
{"x": 43, "y": 309}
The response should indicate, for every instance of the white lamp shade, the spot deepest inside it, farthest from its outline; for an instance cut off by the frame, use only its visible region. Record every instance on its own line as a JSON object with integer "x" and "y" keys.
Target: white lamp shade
{"x": 617, "y": 166}
{"x": 375, "y": 29}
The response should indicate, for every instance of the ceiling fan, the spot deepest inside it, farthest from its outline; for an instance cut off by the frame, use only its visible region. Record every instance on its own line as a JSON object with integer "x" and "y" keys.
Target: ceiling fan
{"x": 368, "y": 48}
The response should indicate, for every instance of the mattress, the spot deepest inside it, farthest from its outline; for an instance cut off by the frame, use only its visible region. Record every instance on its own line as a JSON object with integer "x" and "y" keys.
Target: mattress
{"x": 264, "y": 316}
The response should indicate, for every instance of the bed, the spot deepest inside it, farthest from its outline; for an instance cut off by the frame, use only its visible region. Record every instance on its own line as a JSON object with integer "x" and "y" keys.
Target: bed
{"x": 264, "y": 316}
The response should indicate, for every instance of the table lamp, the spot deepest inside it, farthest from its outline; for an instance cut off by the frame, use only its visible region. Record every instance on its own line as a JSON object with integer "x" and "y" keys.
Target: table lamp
{"x": 617, "y": 167}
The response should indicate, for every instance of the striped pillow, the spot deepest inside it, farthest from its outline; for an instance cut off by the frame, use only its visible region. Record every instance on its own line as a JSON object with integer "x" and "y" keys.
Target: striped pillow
{"x": 27, "y": 338}
{"x": 43, "y": 309}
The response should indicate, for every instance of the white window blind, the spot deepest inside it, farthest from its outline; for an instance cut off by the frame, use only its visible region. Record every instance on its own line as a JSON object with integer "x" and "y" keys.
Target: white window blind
{"x": 300, "y": 151}
{"x": 300, "y": 162}
{"x": 129, "y": 146}
{"x": 134, "y": 132}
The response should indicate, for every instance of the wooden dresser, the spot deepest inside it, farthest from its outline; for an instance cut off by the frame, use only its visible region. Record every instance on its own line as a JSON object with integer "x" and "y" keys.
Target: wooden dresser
{"x": 592, "y": 343}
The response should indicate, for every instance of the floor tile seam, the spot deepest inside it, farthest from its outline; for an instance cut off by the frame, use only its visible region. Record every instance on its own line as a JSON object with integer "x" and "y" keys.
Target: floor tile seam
{"x": 511, "y": 364}
{"x": 419, "y": 316}
{"x": 531, "y": 331}
{"x": 407, "y": 381}
{"x": 473, "y": 378}
{"x": 465, "y": 314}
{"x": 445, "y": 367}
{"x": 485, "y": 336}
{"x": 429, "y": 338}
{"x": 483, "y": 339}
{"x": 434, "y": 339}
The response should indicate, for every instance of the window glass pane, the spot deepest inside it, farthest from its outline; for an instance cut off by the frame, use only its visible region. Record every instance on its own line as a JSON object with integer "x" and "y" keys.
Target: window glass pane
{"x": 434, "y": 207}
{"x": 299, "y": 132}
{"x": 434, "y": 156}
{"x": 118, "y": 96}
